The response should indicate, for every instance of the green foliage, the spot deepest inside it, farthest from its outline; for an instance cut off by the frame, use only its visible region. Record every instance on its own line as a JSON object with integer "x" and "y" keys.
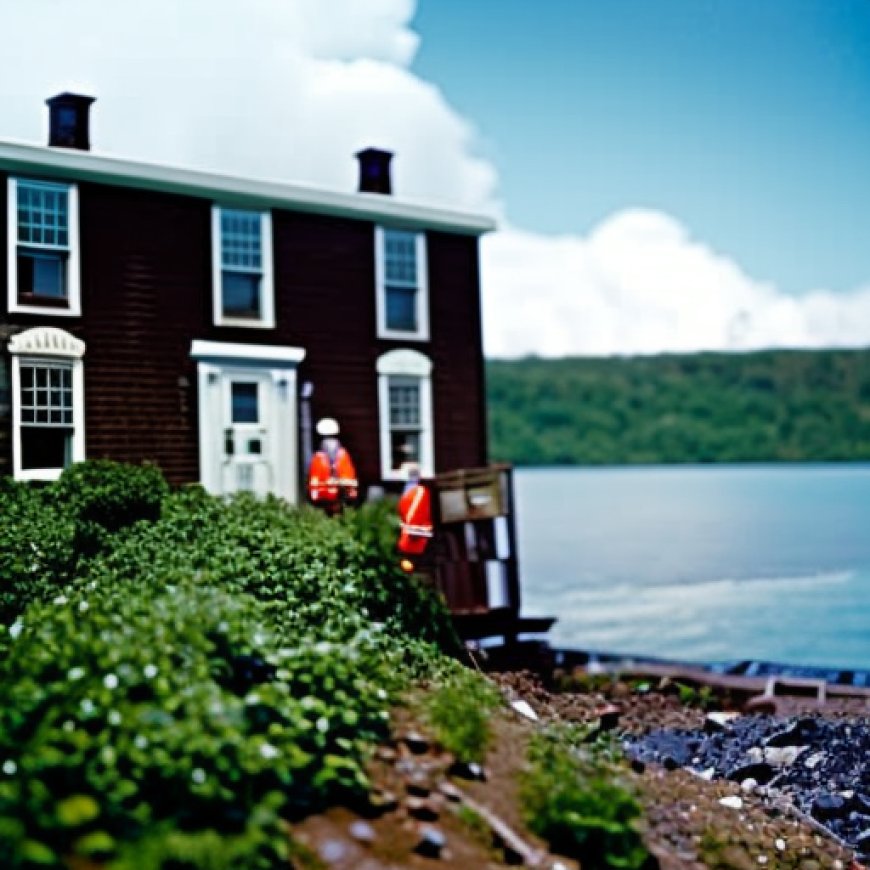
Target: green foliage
{"x": 103, "y": 496}
{"x": 37, "y": 549}
{"x": 176, "y": 690}
{"x": 458, "y": 712}
{"x": 574, "y": 798}
{"x": 132, "y": 714}
{"x": 702, "y": 697}
{"x": 47, "y": 529}
{"x": 708, "y": 407}
{"x": 397, "y": 597}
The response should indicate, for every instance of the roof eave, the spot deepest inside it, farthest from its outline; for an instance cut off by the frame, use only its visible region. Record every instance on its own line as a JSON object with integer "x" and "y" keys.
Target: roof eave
{"x": 87, "y": 166}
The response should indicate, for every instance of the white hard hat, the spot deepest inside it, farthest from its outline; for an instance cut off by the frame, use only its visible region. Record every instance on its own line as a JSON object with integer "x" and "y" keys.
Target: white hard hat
{"x": 327, "y": 427}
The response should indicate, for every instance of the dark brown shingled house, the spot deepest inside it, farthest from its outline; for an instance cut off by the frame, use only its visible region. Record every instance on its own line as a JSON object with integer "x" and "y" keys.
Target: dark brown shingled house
{"x": 202, "y": 321}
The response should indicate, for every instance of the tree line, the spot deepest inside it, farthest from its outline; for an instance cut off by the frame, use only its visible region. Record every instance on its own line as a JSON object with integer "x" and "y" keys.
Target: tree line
{"x": 707, "y": 407}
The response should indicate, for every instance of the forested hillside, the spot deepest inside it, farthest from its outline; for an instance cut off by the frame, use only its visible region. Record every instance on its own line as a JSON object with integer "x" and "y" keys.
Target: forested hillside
{"x": 709, "y": 407}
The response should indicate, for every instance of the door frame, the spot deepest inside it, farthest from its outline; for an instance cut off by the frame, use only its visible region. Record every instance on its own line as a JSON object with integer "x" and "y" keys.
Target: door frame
{"x": 215, "y": 360}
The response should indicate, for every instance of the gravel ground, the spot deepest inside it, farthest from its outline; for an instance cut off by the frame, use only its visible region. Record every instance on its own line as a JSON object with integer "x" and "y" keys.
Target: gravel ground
{"x": 805, "y": 815}
{"x": 822, "y": 766}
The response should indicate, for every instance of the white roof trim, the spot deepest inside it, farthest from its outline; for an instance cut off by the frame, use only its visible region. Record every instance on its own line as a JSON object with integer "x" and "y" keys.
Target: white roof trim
{"x": 268, "y": 353}
{"x": 87, "y": 166}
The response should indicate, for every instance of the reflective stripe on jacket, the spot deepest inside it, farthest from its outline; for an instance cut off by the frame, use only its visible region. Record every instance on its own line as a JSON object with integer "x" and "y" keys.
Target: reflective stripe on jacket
{"x": 415, "y": 512}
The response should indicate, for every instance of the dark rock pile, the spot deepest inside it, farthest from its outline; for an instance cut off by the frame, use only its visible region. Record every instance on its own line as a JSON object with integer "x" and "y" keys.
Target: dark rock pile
{"x": 821, "y": 765}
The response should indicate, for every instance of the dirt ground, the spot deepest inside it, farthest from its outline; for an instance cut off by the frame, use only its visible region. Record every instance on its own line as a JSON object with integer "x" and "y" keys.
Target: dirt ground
{"x": 425, "y": 816}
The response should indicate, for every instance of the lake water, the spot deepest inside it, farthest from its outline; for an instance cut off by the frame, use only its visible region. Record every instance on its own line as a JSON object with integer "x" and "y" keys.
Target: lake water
{"x": 701, "y": 563}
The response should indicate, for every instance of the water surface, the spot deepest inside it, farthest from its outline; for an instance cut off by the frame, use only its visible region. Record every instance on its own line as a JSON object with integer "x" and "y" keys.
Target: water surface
{"x": 703, "y": 563}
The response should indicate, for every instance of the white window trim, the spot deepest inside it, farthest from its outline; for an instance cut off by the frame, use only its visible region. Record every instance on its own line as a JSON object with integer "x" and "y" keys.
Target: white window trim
{"x": 407, "y": 363}
{"x": 46, "y": 344}
{"x": 421, "y": 297}
{"x": 74, "y": 306}
{"x": 267, "y": 286}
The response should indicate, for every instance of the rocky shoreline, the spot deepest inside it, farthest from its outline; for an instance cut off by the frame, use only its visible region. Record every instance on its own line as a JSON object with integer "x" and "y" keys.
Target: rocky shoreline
{"x": 820, "y": 766}
{"x": 728, "y": 786}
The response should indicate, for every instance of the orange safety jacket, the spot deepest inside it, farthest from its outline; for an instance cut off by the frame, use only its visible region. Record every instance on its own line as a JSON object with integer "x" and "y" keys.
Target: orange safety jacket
{"x": 415, "y": 512}
{"x": 331, "y": 479}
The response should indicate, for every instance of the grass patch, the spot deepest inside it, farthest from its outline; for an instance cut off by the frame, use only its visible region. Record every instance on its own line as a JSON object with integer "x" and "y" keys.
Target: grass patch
{"x": 576, "y": 800}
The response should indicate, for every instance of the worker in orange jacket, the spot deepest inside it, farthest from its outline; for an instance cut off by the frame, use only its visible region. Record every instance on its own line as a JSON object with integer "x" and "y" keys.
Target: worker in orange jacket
{"x": 415, "y": 513}
{"x": 332, "y": 480}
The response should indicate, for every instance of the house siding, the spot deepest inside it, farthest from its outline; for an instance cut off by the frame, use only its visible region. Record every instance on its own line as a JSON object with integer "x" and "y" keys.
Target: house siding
{"x": 147, "y": 293}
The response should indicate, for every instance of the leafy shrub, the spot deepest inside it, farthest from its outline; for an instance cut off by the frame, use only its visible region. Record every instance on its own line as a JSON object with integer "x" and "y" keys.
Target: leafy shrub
{"x": 577, "y": 802}
{"x": 403, "y": 600}
{"x": 458, "y": 711}
{"x": 164, "y": 700}
{"x": 320, "y": 572}
{"x": 104, "y": 496}
{"x": 120, "y": 722}
{"x": 37, "y": 547}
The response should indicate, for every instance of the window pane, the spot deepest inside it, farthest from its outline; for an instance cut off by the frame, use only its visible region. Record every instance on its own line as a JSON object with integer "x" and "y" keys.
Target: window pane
{"x": 43, "y": 214}
{"x": 241, "y": 294}
{"x": 241, "y": 246}
{"x": 404, "y": 402}
{"x": 45, "y": 447}
{"x": 402, "y": 309}
{"x": 400, "y": 257}
{"x": 42, "y": 274}
{"x": 405, "y": 447}
{"x": 46, "y": 395}
{"x": 244, "y": 403}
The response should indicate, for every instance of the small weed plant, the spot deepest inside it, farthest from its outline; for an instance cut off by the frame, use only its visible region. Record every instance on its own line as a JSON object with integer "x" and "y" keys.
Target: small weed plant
{"x": 458, "y": 711}
{"x": 574, "y": 798}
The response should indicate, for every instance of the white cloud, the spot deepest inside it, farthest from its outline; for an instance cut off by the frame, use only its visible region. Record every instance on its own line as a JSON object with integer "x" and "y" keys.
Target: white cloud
{"x": 285, "y": 89}
{"x": 637, "y": 284}
{"x": 289, "y": 89}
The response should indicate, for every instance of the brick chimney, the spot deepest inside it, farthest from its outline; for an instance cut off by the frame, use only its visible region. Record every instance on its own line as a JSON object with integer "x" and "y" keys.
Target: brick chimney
{"x": 69, "y": 121}
{"x": 374, "y": 171}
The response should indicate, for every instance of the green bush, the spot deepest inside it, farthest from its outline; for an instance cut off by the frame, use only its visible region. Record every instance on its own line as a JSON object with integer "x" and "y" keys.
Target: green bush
{"x": 317, "y": 571}
{"x": 105, "y": 496}
{"x": 394, "y": 596}
{"x": 136, "y": 715}
{"x": 576, "y": 800}
{"x": 166, "y": 699}
{"x": 37, "y": 547}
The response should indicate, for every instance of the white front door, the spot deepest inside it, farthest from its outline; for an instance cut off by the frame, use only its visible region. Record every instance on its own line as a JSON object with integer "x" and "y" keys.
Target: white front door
{"x": 248, "y": 431}
{"x": 248, "y": 462}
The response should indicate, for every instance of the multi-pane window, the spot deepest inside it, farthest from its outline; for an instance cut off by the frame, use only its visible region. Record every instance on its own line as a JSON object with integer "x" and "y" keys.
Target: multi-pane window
{"x": 400, "y": 262}
{"x": 405, "y": 413}
{"x": 44, "y": 257}
{"x": 402, "y": 298}
{"x": 405, "y": 420}
{"x": 48, "y": 426}
{"x": 241, "y": 263}
{"x": 242, "y": 267}
{"x": 46, "y": 415}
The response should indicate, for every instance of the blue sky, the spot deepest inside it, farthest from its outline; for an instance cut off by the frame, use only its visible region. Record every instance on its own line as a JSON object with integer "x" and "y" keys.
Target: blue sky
{"x": 668, "y": 175}
{"x": 747, "y": 120}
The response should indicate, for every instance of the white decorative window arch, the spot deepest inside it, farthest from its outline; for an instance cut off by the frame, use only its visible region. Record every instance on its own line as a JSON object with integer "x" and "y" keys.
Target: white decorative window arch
{"x": 48, "y": 418}
{"x": 405, "y": 413}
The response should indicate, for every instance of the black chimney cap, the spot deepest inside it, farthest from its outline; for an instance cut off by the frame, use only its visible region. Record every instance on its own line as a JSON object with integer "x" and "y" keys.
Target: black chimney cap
{"x": 69, "y": 121}
{"x": 374, "y": 170}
